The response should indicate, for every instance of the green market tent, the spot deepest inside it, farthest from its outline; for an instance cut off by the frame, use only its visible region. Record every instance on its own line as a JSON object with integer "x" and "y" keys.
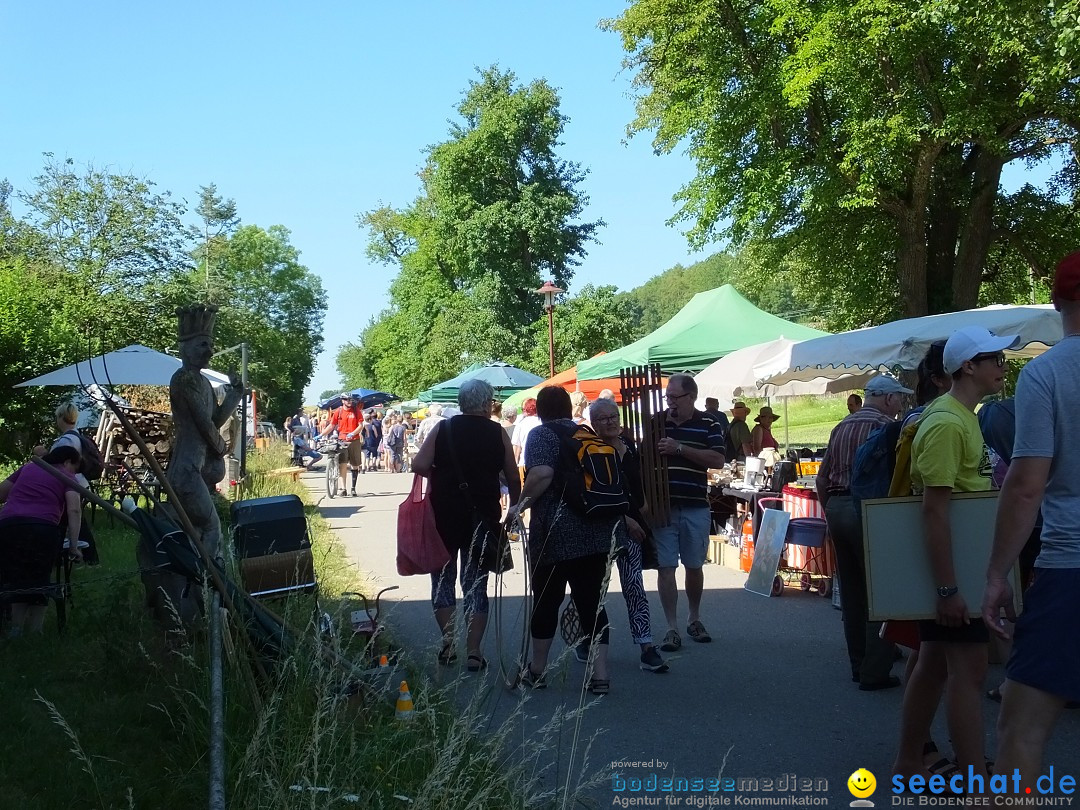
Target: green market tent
{"x": 714, "y": 323}
{"x": 504, "y": 378}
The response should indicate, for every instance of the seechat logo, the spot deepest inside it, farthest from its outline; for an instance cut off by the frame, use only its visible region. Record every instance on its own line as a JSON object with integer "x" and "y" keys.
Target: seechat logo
{"x": 862, "y": 784}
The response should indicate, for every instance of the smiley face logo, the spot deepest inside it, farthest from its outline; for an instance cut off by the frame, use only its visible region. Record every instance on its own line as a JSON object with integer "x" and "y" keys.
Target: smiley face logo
{"x": 861, "y": 783}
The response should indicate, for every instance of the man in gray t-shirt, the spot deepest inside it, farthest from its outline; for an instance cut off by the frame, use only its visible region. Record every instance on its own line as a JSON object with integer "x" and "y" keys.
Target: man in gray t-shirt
{"x": 1044, "y": 669}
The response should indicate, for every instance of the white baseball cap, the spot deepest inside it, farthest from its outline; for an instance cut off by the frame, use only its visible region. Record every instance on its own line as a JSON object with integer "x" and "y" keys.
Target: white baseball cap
{"x": 970, "y": 341}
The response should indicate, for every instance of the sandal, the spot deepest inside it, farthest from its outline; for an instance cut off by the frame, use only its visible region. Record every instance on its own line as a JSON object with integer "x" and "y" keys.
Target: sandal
{"x": 994, "y": 694}
{"x": 599, "y": 687}
{"x": 476, "y": 663}
{"x": 447, "y": 655}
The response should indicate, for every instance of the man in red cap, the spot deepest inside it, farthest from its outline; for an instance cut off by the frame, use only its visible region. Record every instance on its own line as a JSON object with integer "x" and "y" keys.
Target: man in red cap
{"x": 1044, "y": 669}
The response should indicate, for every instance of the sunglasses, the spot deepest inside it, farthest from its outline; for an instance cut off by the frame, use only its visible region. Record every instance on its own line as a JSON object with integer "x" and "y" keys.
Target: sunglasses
{"x": 997, "y": 357}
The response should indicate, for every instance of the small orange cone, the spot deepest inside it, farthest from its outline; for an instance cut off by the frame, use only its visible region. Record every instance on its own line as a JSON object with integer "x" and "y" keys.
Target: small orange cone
{"x": 384, "y": 662}
{"x": 404, "y": 702}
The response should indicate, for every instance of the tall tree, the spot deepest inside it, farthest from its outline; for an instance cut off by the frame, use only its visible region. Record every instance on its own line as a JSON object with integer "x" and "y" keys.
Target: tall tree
{"x": 866, "y": 140}
{"x": 498, "y": 213}
{"x": 219, "y": 219}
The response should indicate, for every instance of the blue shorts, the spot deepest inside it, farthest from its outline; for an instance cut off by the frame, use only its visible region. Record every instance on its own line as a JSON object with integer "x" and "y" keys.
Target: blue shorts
{"x": 686, "y": 537}
{"x": 1046, "y": 645}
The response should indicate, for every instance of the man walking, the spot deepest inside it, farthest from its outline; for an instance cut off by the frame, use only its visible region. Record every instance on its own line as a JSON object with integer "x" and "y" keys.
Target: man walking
{"x": 871, "y": 658}
{"x": 1044, "y": 669}
{"x": 693, "y": 443}
{"x": 947, "y": 456}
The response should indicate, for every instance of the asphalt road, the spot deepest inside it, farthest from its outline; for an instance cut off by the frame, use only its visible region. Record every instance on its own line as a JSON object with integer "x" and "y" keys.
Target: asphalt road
{"x": 769, "y": 699}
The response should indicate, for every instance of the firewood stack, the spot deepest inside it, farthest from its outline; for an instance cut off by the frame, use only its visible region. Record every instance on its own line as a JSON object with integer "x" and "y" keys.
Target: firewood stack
{"x": 117, "y": 446}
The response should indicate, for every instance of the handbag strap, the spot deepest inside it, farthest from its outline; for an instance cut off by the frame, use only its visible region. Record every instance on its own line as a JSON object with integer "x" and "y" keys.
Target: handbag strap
{"x": 463, "y": 485}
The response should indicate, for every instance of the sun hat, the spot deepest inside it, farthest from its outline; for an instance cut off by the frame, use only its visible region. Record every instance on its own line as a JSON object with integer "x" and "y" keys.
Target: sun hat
{"x": 739, "y": 406}
{"x": 970, "y": 341}
{"x": 766, "y": 411}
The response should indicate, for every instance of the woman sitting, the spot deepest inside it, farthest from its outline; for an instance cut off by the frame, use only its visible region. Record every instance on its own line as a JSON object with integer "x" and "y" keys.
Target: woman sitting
{"x": 30, "y": 539}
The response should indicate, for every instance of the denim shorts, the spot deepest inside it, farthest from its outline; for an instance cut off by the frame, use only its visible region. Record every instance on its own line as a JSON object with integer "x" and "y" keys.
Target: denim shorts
{"x": 685, "y": 538}
{"x": 1046, "y": 645}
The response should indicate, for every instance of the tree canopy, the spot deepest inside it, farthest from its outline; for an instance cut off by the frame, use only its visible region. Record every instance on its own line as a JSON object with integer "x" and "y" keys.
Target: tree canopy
{"x": 100, "y": 260}
{"x": 499, "y": 212}
{"x": 865, "y": 141}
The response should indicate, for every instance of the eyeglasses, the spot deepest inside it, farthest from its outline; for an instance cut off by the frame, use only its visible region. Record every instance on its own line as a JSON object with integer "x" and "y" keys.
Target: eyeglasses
{"x": 997, "y": 357}
{"x": 612, "y": 418}
{"x": 673, "y": 397}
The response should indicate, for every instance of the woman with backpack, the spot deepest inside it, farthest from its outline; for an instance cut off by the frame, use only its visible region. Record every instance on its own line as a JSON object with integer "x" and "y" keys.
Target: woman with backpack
{"x": 565, "y": 547}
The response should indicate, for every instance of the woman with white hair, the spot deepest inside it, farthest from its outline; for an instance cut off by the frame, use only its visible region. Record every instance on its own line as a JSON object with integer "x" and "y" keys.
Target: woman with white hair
{"x": 463, "y": 457}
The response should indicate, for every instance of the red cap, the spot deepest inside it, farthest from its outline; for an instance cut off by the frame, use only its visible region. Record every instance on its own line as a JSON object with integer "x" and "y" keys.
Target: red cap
{"x": 1067, "y": 278}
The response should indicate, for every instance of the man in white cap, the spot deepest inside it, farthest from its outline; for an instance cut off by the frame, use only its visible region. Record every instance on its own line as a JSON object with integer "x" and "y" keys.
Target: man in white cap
{"x": 871, "y": 658}
{"x": 948, "y": 455}
{"x": 1044, "y": 668}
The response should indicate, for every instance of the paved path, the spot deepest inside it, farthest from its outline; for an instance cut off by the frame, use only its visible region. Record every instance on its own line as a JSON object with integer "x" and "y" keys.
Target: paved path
{"x": 770, "y": 695}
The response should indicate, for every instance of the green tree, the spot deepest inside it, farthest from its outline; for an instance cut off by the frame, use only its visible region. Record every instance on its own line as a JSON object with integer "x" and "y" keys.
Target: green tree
{"x": 219, "y": 219}
{"x": 865, "y": 141}
{"x": 498, "y": 213}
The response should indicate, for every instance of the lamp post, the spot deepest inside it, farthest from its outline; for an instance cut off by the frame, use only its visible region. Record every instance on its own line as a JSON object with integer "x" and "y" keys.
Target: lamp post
{"x": 549, "y": 291}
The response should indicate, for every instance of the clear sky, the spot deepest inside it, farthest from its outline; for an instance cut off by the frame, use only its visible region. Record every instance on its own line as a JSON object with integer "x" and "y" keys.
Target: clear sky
{"x": 308, "y": 114}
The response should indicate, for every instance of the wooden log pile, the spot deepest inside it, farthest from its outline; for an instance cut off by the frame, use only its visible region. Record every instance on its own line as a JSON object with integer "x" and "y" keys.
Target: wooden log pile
{"x": 155, "y": 428}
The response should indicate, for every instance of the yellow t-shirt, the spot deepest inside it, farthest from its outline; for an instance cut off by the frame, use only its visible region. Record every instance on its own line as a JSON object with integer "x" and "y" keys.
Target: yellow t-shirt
{"x": 948, "y": 450}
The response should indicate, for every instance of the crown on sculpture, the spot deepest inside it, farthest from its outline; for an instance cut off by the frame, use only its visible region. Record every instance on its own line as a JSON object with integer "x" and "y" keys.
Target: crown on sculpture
{"x": 196, "y": 320}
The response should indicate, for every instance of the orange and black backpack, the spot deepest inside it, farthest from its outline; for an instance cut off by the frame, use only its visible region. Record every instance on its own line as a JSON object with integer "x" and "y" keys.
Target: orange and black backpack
{"x": 593, "y": 476}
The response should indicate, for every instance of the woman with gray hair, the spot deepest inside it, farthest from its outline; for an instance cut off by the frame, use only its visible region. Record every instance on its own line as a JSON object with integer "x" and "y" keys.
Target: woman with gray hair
{"x": 463, "y": 457}
{"x": 604, "y": 416}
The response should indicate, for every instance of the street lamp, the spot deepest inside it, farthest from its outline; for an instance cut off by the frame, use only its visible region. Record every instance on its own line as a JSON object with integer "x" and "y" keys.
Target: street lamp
{"x": 549, "y": 291}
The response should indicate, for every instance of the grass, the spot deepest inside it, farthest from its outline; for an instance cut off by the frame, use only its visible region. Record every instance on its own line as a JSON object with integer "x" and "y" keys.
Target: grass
{"x": 809, "y": 420}
{"x": 106, "y": 716}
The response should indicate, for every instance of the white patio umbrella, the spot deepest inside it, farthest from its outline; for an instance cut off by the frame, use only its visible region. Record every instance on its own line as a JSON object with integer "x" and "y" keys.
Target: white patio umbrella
{"x": 900, "y": 345}
{"x": 132, "y": 365}
{"x": 733, "y": 377}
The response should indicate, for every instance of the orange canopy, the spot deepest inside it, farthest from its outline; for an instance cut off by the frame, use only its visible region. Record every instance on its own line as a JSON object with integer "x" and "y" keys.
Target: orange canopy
{"x": 568, "y": 380}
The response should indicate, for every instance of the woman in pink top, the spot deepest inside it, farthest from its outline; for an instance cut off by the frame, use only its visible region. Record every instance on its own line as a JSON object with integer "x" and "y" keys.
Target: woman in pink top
{"x": 30, "y": 539}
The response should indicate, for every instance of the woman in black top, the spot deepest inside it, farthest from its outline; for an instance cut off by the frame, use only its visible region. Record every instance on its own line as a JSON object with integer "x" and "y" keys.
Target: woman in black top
{"x": 468, "y": 449}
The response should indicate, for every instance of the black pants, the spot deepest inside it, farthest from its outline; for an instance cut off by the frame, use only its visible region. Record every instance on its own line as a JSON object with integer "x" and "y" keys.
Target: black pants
{"x": 871, "y": 658}
{"x": 586, "y": 576}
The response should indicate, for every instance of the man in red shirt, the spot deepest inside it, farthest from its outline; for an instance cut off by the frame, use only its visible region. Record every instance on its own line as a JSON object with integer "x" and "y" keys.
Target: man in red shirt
{"x": 348, "y": 420}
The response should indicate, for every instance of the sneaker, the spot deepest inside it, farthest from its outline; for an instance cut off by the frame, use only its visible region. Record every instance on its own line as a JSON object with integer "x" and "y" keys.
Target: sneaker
{"x": 696, "y": 631}
{"x": 581, "y": 651}
{"x": 652, "y": 662}
{"x": 672, "y": 641}
{"x": 530, "y": 680}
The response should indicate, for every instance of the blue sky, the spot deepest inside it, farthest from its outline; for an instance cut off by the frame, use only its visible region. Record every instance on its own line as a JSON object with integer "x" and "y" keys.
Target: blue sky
{"x": 308, "y": 114}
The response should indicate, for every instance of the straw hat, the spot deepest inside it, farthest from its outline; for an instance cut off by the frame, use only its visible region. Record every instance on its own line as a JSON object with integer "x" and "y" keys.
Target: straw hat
{"x": 766, "y": 413}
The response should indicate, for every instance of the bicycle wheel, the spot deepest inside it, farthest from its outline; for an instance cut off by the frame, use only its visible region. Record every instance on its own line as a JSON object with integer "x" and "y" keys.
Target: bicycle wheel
{"x": 331, "y": 475}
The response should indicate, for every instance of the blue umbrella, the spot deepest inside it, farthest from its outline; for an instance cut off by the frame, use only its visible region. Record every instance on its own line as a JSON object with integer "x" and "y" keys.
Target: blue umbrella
{"x": 368, "y": 398}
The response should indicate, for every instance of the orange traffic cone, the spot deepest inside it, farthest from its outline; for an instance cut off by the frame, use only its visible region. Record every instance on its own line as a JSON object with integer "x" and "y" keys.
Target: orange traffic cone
{"x": 404, "y": 702}
{"x": 384, "y": 662}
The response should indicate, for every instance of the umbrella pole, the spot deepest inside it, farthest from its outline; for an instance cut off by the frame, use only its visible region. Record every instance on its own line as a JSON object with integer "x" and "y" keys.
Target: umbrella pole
{"x": 787, "y": 430}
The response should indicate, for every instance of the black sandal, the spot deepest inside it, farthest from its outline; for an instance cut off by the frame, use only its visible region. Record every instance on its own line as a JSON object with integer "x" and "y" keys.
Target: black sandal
{"x": 447, "y": 655}
{"x": 476, "y": 663}
{"x": 599, "y": 687}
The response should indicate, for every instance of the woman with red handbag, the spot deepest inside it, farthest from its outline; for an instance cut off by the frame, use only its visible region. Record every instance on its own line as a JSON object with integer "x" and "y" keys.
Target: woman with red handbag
{"x": 463, "y": 457}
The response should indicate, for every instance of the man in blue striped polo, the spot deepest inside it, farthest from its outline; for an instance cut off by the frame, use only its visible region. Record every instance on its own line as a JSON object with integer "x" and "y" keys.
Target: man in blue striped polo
{"x": 693, "y": 444}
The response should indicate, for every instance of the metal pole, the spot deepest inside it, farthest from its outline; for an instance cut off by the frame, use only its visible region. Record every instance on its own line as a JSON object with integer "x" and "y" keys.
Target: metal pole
{"x": 551, "y": 339}
{"x": 217, "y": 709}
{"x": 243, "y": 409}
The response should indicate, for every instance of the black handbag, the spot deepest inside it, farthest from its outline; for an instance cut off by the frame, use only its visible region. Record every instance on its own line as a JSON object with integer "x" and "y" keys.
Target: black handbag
{"x": 490, "y": 546}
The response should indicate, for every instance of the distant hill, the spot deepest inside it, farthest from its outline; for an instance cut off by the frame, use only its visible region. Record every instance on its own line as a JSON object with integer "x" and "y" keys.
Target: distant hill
{"x": 663, "y": 295}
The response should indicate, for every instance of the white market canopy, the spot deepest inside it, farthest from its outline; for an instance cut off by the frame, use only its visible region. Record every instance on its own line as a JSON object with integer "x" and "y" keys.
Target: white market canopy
{"x": 901, "y": 345}
{"x": 733, "y": 377}
{"x": 132, "y": 365}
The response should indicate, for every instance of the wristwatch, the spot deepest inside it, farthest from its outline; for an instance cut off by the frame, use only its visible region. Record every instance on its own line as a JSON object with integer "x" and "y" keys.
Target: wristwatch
{"x": 945, "y": 591}
{"x": 678, "y": 450}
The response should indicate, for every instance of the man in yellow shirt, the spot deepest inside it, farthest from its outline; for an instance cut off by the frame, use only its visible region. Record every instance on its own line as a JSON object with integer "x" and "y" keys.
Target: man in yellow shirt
{"x": 948, "y": 455}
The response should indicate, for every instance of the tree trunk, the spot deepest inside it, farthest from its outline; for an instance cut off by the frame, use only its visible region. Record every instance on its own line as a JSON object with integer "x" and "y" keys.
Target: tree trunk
{"x": 977, "y": 233}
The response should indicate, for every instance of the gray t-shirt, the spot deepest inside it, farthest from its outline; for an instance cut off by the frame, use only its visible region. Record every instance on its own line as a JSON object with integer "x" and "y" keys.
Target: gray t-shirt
{"x": 1046, "y": 398}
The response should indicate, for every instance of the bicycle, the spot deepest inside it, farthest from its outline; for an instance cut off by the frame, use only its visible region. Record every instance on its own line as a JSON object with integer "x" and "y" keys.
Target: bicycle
{"x": 330, "y": 449}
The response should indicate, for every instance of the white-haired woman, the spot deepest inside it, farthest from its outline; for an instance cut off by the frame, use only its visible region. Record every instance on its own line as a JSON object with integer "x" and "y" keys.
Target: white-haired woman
{"x": 604, "y": 415}
{"x": 469, "y": 450}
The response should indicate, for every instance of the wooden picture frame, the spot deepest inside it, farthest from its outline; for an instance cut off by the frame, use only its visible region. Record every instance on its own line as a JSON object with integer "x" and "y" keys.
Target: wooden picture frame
{"x": 899, "y": 582}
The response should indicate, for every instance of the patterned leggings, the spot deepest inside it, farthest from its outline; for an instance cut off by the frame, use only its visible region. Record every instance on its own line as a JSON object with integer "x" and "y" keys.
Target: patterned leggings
{"x": 633, "y": 590}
